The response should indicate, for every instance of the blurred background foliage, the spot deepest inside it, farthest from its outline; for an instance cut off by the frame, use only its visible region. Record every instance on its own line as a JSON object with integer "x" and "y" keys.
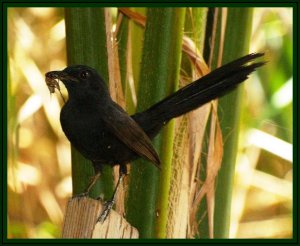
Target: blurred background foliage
{"x": 39, "y": 165}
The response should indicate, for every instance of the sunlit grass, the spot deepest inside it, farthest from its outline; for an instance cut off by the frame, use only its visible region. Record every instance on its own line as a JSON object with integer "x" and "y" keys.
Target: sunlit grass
{"x": 262, "y": 201}
{"x": 38, "y": 153}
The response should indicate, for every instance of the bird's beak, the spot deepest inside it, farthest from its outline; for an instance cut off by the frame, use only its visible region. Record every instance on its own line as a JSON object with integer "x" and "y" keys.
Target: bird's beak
{"x": 59, "y": 75}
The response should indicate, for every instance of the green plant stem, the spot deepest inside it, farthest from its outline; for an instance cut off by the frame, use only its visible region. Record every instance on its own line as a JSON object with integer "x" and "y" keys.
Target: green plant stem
{"x": 236, "y": 44}
{"x": 173, "y": 69}
{"x": 86, "y": 44}
{"x": 158, "y": 77}
{"x": 137, "y": 41}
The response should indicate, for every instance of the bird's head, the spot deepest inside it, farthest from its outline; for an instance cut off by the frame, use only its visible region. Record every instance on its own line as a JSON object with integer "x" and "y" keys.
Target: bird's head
{"x": 80, "y": 81}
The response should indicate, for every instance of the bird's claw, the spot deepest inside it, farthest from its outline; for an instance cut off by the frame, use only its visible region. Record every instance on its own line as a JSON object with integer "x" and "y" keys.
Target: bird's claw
{"x": 106, "y": 211}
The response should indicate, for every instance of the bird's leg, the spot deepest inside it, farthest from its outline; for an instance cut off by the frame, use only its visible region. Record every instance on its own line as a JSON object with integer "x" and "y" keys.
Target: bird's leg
{"x": 92, "y": 182}
{"x": 109, "y": 204}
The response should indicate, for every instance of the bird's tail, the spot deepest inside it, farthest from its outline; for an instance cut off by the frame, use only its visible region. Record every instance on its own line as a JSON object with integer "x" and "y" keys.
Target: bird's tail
{"x": 209, "y": 87}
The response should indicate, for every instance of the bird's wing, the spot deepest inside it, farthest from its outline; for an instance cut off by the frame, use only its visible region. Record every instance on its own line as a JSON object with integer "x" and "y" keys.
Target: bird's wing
{"x": 131, "y": 134}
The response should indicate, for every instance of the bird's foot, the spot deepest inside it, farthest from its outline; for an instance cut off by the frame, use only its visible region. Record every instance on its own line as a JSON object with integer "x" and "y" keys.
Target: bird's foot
{"x": 106, "y": 211}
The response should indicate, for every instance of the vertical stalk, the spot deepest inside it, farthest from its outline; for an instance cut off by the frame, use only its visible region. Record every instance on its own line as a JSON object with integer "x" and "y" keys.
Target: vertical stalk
{"x": 158, "y": 77}
{"x": 173, "y": 69}
{"x": 137, "y": 41}
{"x": 236, "y": 44}
{"x": 86, "y": 44}
{"x": 122, "y": 40}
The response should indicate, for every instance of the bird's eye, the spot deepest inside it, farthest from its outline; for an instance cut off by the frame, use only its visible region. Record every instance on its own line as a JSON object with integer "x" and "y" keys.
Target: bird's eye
{"x": 84, "y": 74}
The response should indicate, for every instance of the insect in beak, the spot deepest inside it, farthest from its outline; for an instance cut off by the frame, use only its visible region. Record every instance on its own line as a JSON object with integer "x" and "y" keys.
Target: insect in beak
{"x": 52, "y": 79}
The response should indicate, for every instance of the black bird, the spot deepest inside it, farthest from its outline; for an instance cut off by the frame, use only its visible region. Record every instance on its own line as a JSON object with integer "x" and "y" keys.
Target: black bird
{"x": 105, "y": 134}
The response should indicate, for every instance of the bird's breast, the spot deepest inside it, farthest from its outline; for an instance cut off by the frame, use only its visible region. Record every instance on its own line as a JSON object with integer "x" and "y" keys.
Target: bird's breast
{"x": 83, "y": 128}
{"x": 89, "y": 135}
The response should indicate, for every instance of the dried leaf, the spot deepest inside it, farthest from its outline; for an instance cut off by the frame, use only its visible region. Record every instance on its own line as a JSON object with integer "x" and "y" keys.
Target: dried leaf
{"x": 138, "y": 18}
{"x": 115, "y": 88}
{"x": 214, "y": 160}
{"x": 115, "y": 85}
